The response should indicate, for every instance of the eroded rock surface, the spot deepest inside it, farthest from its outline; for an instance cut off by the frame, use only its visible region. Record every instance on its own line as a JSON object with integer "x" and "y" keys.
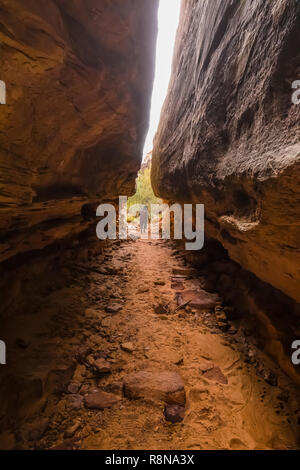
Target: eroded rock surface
{"x": 229, "y": 132}
{"x": 163, "y": 386}
{"x": 100, "y": 400}
{"x": 78, "y": 77}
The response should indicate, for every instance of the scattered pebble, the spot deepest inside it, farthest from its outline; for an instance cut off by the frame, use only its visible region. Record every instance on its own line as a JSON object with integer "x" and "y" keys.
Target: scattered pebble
{"x": 128, "y": 347}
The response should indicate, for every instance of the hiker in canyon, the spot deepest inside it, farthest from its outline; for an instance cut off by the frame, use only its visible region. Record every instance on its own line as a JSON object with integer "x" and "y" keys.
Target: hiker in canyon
{"x": 144, "y": 219}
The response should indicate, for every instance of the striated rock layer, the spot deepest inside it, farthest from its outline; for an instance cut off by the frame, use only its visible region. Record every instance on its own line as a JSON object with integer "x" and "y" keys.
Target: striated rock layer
{"x": 229, "y": 132}
{"x": 78, "y": 77}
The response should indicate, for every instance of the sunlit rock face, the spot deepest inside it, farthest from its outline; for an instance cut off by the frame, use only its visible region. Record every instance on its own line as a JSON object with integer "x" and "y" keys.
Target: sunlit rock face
{"x": 78, "y": 78}
{"x": 229, "y": 132}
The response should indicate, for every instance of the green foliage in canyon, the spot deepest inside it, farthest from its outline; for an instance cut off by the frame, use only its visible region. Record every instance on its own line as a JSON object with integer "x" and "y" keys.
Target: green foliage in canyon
{"x": 144, "y": 192}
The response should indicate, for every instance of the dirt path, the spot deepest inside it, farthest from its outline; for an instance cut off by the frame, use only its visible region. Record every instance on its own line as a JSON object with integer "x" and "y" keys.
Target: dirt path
{"x": 124, "y": 287}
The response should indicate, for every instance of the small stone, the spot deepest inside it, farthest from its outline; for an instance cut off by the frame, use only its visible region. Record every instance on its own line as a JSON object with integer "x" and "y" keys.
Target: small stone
{"x": 116, "y": 295}
{"x": 251, "y": 356}
{"x": 143, "y": 290}
{"x": 223, "y": 325}
{"x": 128, "y": 347}
{"x": 178, "y": 360}
{"x": 232, "y": 330}
{"x": 79, "y": 373}
{"x": 102, "y": 270}
{"x": 270, "y": 377}
{"x": 164, "y": 317}
{"x": 188, "y": 272}
{"x": 59, "y": 377}
{"x": 216, "y": 375}
{"x": 84, "y": 389}
{"x": 176, "y": 285}
{"x": 221, "y": 316}
{"x": 161, "y": 309}
{"x": 116, "y": 388}
{"x": 72, "y": 430}
{"x": 106, "y": 322}
{"x": 102, "y": 366}
{"x": 159, "y": 283}
{"x": 218, "y": 308}
{"x": 90, "y": 360}
{"x": 75, "y": 402}
{"x": 65, "y": 445}
{"x": 174, "y": 413}
{"x": 199, "y": 299}
{"x": 100, "y": 400}
{"x": 205, "y": 366}
{"x": 113, "y": 271}
{"x": 83, "y": 350}
{"x": 73, "y": 387}
{"x": 113, "y": 308}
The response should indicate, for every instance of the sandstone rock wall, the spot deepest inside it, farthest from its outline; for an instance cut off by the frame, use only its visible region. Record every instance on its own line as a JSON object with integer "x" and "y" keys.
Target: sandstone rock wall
{"x": 229, "y": 132}
{"x": 78, "y": 77}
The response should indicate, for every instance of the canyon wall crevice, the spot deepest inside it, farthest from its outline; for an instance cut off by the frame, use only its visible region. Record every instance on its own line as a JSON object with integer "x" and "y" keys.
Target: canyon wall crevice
{"x": 229, "y": 133}
{"x": 79, "y": 79}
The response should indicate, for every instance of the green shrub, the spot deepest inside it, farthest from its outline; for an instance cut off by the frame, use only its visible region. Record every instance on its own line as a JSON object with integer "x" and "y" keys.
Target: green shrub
{"x": 144, "y": 192}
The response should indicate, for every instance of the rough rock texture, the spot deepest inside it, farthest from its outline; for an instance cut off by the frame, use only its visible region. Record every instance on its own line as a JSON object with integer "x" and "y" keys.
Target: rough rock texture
{"x": 164, "y": 386}
{"x": 229, "y": 134}
{"x": 197, "y": 298}
{"x": 174, "y": 413}
{"x": 78, "y": 76}
{"x": 100, "y": 400}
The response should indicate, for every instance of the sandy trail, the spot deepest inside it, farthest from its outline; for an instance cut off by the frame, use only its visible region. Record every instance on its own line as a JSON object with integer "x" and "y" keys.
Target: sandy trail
{"x": 218, "y": 416}
{"x": 245, "y": 413}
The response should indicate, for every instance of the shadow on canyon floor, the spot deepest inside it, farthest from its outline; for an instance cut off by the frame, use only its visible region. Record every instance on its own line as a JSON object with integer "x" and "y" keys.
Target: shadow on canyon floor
{"x": 125, "y": 350}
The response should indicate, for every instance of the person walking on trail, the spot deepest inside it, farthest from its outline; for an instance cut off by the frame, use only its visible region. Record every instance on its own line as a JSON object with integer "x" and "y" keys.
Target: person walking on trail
{"x": 144, "y": 219}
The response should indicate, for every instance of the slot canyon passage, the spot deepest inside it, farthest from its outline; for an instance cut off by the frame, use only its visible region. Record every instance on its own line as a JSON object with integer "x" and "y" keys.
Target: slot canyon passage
{"x": 139, "y": 343}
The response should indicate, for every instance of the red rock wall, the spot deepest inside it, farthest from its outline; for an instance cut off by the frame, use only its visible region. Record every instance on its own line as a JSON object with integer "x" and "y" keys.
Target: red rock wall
{"x": 79, "y": 77}
{"x": 229, "y": 132}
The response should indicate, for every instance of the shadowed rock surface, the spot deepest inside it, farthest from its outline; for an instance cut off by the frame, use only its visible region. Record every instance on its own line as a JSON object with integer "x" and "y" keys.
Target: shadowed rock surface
{"x": 229, "y": 134}
{"x": 79, "y": 77}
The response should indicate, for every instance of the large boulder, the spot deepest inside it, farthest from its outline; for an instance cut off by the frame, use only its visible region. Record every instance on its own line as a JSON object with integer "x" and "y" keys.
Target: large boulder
{"x": 229, "y": 131}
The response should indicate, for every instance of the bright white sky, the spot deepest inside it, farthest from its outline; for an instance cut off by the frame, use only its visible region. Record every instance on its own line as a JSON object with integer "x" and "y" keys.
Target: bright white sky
{"x": 168, "y": 19}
